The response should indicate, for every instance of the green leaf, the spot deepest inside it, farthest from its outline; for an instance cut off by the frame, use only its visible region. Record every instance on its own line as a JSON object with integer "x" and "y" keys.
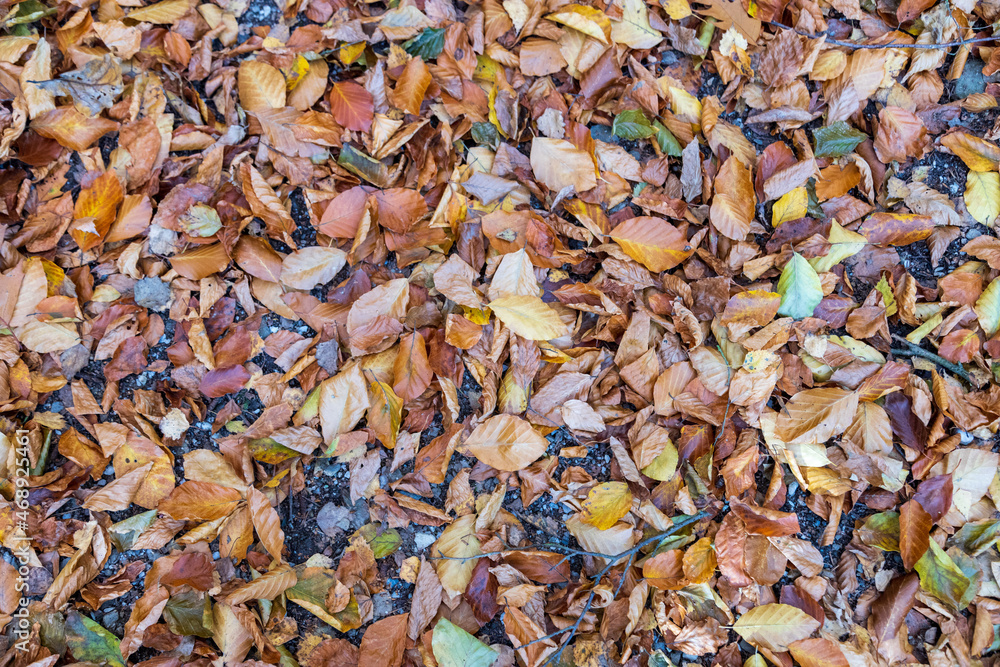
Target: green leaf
{"x": 363, "y": 166}
{"x": 125, "y": 533}
{"x": 428, "y": 44}
{"x": 382, "y": 544}
{"x": 941, "y": 577}
{"x": 667, "y": 141}
{"x": 976, "y": 537}
{"x": 881, "y": 531}
{"x": 189, "y": 613}
{"x": 632, "y": 125}
{"x": 454, "y": 647}
{"x": 485, "y": 134}
{"x": 659, "y": 659}
{"x": 90, "y": 642}
{"x": 800, "y": 288}
{"x": 270, "y": 451}
{"x": 837, "y": 139}
{"x": 812, "y": 207}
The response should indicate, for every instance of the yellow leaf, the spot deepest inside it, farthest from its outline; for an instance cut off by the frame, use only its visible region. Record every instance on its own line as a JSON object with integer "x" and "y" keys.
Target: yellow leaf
{"x": 606, "y": 504}
{"x": 930, "y": 325}
{"x": 653, "y": 242}
{"x": 296, "y": 72}
{"x": 792, "y": 206}
{"x": 887, "y": 296}
{"x": 458, "y": 541}
{"x": 529, "y": 317}
{"x": 982, "y": 196}
{"x": 348, "y": 53}
{"x": 988, "y": 308}
{"x": 685, "y": 106}
{"x": 385, "y": 413}
{"x": 843, "y": 244}
{"x": 634, "y": 29}
{"x": 977, "y": 154}
{"x": 588, "y": 20}
{"x": 775, "y": 626}
{"x": 261, "y": 86}
{"x": 164, "y": 12}
{"x": 676, "y": 9}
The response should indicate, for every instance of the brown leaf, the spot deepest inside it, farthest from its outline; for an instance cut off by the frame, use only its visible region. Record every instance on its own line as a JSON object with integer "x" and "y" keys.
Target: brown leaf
{"x": 914, "y": 532}
{"x": 200, "y": 501}
{"x": 266, "y": 522}
{"x": 765, "y": 521}
{"x": 411, "y": 86}
{"x": 735, "y": 202}
{"x": 425, "y": 601}
{"x": 352, "y": 105}
{"x": 384, "y": 642}
{"x": 412, "y": 370}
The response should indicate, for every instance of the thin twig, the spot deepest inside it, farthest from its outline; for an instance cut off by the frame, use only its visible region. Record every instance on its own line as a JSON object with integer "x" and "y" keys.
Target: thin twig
{"x": 612, "y": 560}
{"x": 916, "y": 351}
{"x": 889, "y": 45}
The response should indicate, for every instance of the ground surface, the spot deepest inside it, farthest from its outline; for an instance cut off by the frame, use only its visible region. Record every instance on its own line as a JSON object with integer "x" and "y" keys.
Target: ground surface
{"x": 332, "y": 299}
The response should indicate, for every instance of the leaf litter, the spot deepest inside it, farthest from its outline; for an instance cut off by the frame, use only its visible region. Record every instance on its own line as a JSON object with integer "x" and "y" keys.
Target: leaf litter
{"x": 431, "y": 333}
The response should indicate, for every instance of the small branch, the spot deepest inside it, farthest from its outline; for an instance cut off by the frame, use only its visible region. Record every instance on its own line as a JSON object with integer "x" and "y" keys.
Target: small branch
{"x": 915, "y": 351}
{"x": 612, "y": 560}
{"x": 890, "y": 45}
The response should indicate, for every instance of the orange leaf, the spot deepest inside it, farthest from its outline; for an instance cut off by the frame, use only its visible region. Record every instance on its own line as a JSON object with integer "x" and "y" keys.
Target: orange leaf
{"x": 411, "y": 86}
{"x": 914, "y": 532}
{"x": 399, "y": 208}
{"x": 653, "y": 242}
{"x": 896, "y": 228}
{"x": 765, "y": 521}
{"x": 735, "y": 201}
{"x": 255, "y": 256}
{"x": 412, "y": 370}
{"x": 71, "y": 128}
{"x": 200, "y": 501}
{"x": 384, "y": 643}
{"x": 201, "y": 262}
{"x": 960, "y": 346}
{"x": 95, "y": 210}
{"x": 352, "y": 105}
{"x": 817, "y": 652}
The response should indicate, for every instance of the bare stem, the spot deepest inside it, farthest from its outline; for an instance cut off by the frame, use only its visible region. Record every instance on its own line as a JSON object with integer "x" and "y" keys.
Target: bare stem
{"x": 916, "y": 351}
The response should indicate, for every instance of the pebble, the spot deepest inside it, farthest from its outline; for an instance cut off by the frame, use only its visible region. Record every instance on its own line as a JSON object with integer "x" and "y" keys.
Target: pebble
{"x": 423, "y": 540}
{"x": 111, "y": 617}
{"x": 603, "y": 133}
{"x": 152, "y": 293}
{"x": 972, "y": 80}
{"x": 333, "y": 519}
{"x": 327, "y": 356}
{"x": 382, "y": 603}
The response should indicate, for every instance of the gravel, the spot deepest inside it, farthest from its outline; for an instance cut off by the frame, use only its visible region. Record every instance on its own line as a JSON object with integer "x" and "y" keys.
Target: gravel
{"x": 152, "y": 293}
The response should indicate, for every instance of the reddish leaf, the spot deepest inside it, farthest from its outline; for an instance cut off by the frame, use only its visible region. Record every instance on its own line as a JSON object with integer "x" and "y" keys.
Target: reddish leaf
{"x": 352, "y": 105}
{"x": 384, "y": 643}
{"x": 224, "y": 381}
{"x": 914, "y": 532}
